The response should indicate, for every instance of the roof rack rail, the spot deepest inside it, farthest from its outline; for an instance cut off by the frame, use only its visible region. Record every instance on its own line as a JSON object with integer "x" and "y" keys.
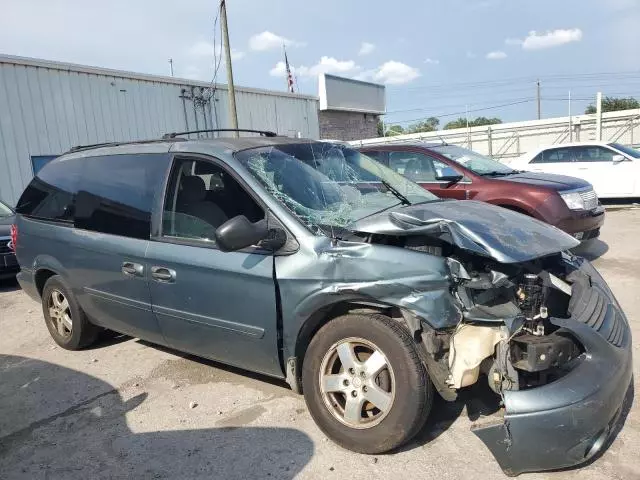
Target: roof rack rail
{"x": 264, "y": 133}
{"x": 79, "y": 148}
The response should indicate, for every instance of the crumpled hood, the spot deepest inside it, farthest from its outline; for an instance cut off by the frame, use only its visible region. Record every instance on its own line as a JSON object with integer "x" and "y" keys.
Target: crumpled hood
{"x": 480, "y": 228}
{"x": 549, "y": 180}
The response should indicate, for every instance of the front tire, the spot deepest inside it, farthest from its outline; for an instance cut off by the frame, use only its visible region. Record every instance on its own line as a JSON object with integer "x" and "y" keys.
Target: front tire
{"x": 364, "y": 383}
{"x": 67, "y": 323}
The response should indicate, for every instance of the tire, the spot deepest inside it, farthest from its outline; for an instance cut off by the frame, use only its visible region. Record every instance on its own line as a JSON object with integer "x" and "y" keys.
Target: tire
{"x": 402, "y": 387}
{"x": 67, "y": 323}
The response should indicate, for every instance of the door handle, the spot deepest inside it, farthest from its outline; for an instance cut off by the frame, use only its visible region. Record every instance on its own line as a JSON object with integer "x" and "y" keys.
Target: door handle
{"x": 132, "y": 269}
{"x": 163, "y": 274}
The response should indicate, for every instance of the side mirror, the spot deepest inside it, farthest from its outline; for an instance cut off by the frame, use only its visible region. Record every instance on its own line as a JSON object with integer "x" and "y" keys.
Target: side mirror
{"x": 448, "y": 175}
{"x": 238, "y": 233}
{"x": 617, "y": 158}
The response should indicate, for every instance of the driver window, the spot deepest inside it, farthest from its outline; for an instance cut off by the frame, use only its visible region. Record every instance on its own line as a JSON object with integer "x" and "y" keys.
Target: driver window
{"x": 592, "y": 154}
{"x": 414, "y": 166}
{"x": 202, "y": 196}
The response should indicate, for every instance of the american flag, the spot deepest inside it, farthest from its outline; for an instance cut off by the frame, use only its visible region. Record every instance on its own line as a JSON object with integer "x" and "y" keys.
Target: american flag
{"x": 289, "y": 76}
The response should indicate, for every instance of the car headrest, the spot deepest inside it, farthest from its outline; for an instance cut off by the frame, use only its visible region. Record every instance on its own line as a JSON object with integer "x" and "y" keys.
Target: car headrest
{"x": 193, "y": 189}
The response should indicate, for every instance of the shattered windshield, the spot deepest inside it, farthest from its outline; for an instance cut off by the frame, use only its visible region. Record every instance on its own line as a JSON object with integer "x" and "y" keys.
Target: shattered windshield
{"x": 329, "y": 185}
{"x": 473, "y": 161}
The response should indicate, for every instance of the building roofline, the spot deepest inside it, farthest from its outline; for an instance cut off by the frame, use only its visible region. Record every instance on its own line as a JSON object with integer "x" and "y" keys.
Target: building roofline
{"x": 108, "y": 72}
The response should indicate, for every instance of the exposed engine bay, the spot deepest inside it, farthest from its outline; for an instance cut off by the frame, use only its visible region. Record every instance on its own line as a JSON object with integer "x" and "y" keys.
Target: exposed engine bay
{"x": 505, "y": 333}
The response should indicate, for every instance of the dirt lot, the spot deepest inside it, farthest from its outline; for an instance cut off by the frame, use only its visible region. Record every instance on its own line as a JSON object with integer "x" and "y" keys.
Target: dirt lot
{"x": 128, "y": 409}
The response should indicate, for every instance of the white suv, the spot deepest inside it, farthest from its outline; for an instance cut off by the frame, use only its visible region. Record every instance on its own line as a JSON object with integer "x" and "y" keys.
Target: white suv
{"x": 612, "y": 169}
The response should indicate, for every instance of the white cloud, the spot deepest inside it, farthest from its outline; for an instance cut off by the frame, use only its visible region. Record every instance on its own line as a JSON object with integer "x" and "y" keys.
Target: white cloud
{"x": 391, "y": 72}
{"x": 537, "y": 41}
{"x": 325, "y": 65}
{"x": 496, "y": 55}
{"x": 432, "y": 61}
{"x": 206, "y": 49}
{"x": 366, "y": 48}
{"x": 280, "y": 70}
{"x": 266, "y": 40}
{"x": 395, "y": 73}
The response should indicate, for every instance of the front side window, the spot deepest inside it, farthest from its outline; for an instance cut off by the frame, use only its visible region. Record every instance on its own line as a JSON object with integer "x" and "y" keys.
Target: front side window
{"x": 116, "y": 193}
{"x": 200, "y": 197}
{"x": 414, "y": 166}
{"x": 554, "y": 155}
{"x": 592, "y": 154}
{"x": 477, "y": 163}
{"x": 329, "y": 185}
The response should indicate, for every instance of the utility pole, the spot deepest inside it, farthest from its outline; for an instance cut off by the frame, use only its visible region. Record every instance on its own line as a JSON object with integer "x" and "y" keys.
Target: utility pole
{"x": 570, "y": 120}
{"x": 171, "y": 66}
{"x": 538, "y": 97}
{"x": 599, "y": 116}
{"x": 233, "y": 113}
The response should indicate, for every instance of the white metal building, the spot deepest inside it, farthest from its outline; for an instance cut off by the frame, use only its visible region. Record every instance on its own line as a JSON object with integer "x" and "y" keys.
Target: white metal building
{"x": 47, "y": 107}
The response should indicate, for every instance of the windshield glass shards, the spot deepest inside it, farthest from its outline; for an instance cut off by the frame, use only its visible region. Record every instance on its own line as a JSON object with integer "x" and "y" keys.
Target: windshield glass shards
{"x": 329, "y": 185}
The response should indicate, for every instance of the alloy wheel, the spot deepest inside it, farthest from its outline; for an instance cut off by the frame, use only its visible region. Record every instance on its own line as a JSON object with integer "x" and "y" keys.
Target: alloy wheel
{"x": 357, "y": 383}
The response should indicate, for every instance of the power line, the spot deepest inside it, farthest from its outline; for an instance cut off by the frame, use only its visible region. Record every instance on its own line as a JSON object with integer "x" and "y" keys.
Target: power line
{"x": 558, "y": 78}
{"x": 444, "y": 115}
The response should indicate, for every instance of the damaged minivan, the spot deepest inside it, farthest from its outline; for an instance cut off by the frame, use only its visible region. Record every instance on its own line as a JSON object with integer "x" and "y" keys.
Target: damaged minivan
{"x": 311, "y": 262}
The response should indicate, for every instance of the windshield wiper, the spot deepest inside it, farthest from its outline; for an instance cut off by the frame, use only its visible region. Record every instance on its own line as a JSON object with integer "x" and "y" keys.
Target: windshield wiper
{"x": 393, "y": 190}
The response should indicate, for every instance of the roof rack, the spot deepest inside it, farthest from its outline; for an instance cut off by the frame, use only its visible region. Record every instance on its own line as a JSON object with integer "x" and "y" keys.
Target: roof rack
{"x": 79, "y": 148}
{"x": 264, "y": 133}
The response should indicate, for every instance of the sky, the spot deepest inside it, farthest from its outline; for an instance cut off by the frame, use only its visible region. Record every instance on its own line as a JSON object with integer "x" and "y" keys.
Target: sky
{"x": 437, "y": 58}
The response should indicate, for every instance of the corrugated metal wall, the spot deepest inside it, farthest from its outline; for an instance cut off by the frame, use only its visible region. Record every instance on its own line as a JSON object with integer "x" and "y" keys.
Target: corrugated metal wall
{"x": 48, "y": 107}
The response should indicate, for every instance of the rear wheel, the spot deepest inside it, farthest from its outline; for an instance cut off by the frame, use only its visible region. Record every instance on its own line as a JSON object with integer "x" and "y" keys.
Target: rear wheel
{"x": 364, "y": 383}
{"x": 67, "y": 323}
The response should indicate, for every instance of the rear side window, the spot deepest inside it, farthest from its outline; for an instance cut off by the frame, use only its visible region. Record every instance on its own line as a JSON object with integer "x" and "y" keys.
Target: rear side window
{"x": 51, "y": 194}
{"x": 109, "y": 194}
{"x": 380, "y": 156}
{"x": 554, "y": 155}
{"x": 117, "y": 192}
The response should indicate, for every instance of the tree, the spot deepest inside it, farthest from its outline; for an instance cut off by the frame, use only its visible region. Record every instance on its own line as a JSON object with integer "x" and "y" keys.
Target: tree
{"x": 380, "y": 128}
{"x": 477, "y": 122}
{"x": 428, "y": 125}
{"x": 393, "y": 130}
{"x": 613, "y": 104}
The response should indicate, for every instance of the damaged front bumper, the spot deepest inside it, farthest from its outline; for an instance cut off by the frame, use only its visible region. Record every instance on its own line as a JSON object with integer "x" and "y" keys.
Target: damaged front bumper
{"x": 566, "y": 422}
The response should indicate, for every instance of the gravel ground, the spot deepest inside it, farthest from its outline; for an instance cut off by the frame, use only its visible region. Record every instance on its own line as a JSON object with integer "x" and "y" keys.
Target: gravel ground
{"x": 128, "y": 409}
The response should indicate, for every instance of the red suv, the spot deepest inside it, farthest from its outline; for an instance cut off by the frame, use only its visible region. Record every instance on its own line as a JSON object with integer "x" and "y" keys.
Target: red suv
{"x": 450, "y": 171}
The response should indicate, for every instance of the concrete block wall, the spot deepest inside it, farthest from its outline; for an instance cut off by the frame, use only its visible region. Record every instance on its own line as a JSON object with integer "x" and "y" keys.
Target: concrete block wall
{"x": 340, "y": 125}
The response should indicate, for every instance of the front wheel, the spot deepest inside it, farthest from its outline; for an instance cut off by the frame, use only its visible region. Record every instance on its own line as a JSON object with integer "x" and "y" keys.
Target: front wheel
{"x": 364, "y": 383}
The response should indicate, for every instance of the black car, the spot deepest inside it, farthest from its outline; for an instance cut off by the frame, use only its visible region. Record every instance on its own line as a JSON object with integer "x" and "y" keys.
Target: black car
{"x": 8, "y": 264}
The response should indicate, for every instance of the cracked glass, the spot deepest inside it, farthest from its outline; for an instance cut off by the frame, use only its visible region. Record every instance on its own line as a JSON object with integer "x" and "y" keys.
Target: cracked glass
{"x": 329, "y": 185}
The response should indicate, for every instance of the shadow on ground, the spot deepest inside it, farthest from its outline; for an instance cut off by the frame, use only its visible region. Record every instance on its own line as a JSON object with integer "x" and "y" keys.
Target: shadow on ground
{"x": 9, "y": 285}
{"x": 60, "y": 423}
{"x": 478, "y": 401}
{"x": 592, "y": 249}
